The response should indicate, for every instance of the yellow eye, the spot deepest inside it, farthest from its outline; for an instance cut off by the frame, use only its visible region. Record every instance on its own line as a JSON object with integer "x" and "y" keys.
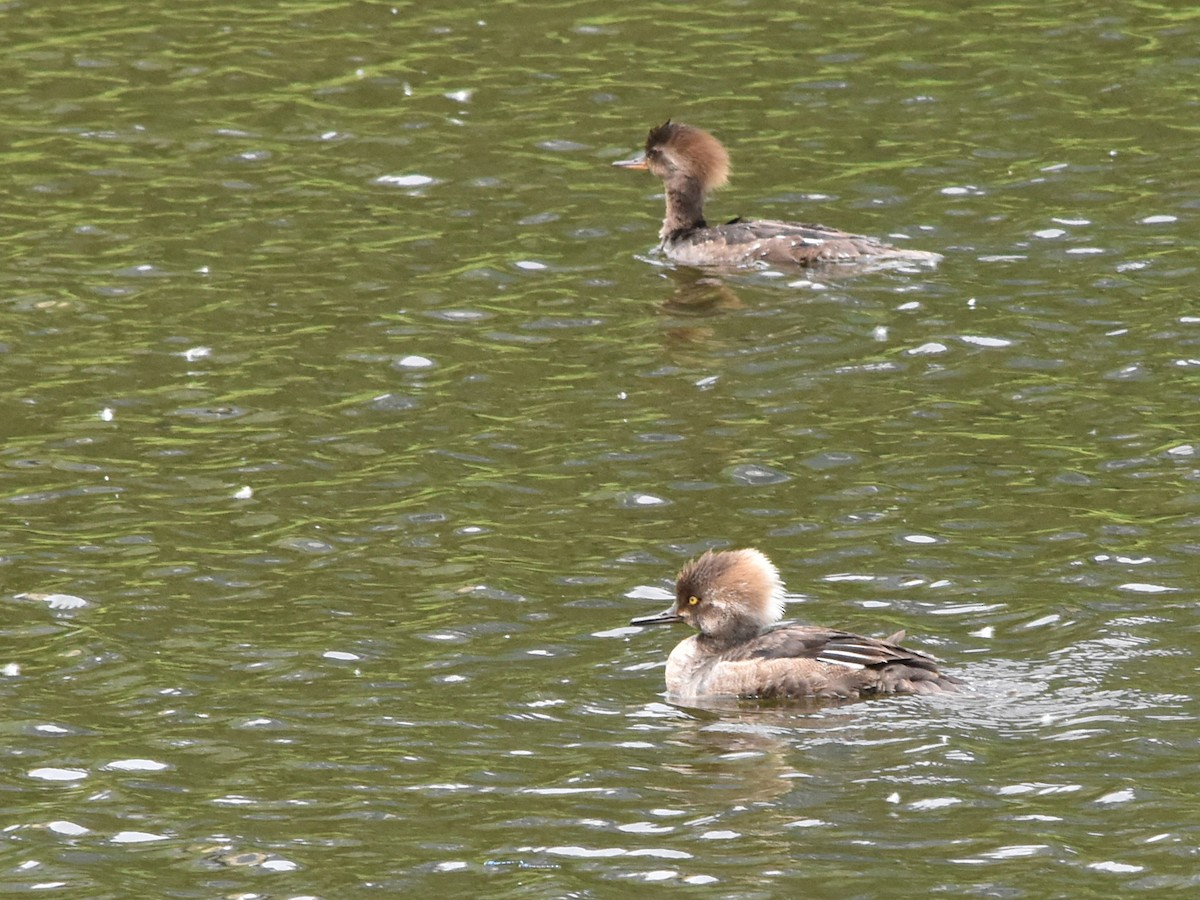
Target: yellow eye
{"x": 693, "y": 600}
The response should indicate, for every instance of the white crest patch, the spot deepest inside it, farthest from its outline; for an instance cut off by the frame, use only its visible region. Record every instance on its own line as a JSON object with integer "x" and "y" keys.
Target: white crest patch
{"x": 776, "y": 597}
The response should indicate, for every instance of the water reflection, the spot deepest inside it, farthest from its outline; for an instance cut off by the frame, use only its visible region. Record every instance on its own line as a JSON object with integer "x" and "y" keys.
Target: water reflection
{"x": 697, "y": 293}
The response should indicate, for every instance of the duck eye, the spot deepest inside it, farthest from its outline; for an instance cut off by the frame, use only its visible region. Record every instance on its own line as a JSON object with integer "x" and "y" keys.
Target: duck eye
{"x": 693, "y": 600}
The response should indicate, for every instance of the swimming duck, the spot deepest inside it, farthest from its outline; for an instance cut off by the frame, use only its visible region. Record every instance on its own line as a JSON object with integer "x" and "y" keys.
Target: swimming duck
{"x": 691, "y": 162}
{"x": 733, "y": 598}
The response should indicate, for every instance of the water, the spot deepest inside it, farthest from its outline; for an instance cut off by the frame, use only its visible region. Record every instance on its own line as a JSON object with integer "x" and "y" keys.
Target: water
{"x": 339, "y": 391}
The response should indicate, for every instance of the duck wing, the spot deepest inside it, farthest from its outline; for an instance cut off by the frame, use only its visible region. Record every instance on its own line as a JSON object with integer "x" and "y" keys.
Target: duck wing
{"x": 808, "y": 661}
{"x": 831, "y": 646}
{"x": 788, "y": 243}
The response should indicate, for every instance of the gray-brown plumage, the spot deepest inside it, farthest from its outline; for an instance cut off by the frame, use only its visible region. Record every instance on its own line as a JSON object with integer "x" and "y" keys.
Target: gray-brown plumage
{"x": 691, "y": 162}
{"x": 734, "y": 598}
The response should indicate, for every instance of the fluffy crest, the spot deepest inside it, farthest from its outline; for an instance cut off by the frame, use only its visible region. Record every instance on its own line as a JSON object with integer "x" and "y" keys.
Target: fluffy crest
{"x": 691, "y": 150}
{"x": 742, "y": 580}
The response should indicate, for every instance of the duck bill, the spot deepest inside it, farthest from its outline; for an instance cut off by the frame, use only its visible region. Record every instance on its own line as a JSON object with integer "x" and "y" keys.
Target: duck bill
{"x": 637, "y": 162}
{"x": 666, "y": 617}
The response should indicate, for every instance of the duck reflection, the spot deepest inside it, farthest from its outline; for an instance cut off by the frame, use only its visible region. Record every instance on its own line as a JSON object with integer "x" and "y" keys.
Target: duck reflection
{"x": 699, "y": 293}
{"x": 743, "y": 752}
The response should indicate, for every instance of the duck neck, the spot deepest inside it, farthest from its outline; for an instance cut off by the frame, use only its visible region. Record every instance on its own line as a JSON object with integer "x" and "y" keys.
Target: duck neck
{"x": 685, "y": 207}
{"x": 731, "y": 635}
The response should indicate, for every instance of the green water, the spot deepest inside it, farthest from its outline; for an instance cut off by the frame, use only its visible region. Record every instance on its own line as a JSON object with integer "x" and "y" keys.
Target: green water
{"x": 336, "y": 380}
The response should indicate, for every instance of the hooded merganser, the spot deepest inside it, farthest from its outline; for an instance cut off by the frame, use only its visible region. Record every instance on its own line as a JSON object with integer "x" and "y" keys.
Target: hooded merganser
{"x": 733, "y": 598}
{"x": 691, "y": 162}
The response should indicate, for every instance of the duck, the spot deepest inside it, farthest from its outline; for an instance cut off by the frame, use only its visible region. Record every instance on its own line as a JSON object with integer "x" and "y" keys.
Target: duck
{"x": 692, "y": 163}
{"x": 735, "y": 600}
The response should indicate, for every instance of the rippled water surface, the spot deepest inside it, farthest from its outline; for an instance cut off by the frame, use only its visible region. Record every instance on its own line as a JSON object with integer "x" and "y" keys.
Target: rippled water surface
{"x": 347, "y": 419}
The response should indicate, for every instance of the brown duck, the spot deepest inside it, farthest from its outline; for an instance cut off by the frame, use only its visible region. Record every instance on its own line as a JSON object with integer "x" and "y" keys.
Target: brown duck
{"x": 691, "y": 162}
{"x": 734, "y": 598}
